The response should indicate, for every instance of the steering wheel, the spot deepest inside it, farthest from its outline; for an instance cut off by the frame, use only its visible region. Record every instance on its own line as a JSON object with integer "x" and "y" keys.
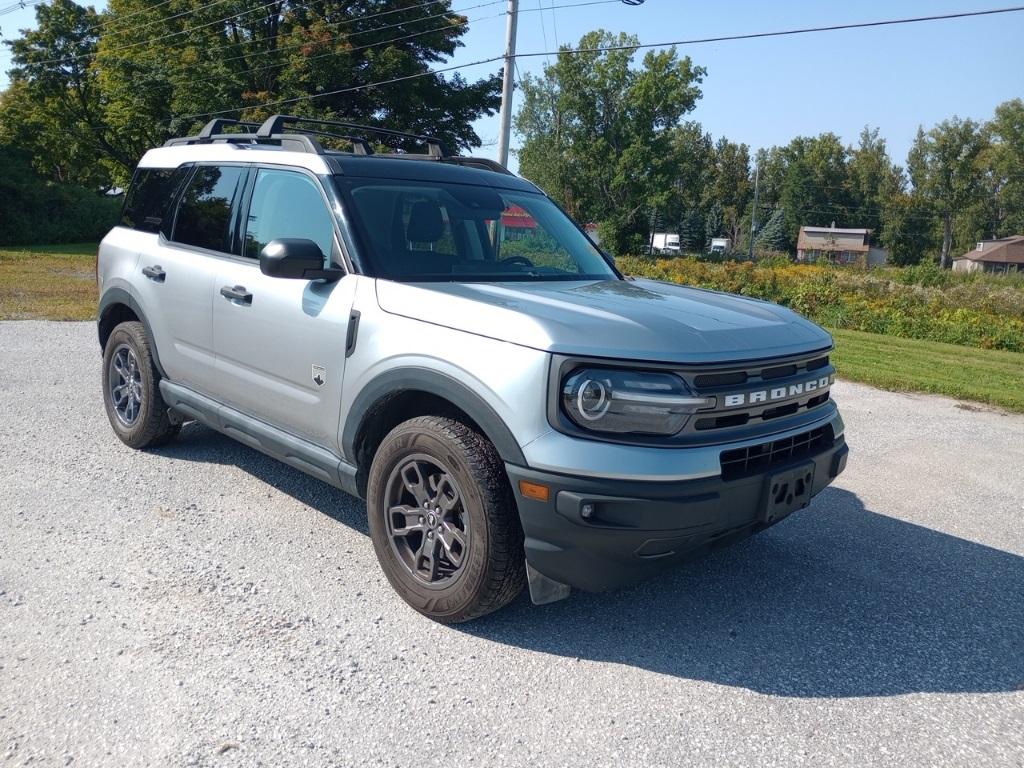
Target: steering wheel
{"x": 520, "y": 260}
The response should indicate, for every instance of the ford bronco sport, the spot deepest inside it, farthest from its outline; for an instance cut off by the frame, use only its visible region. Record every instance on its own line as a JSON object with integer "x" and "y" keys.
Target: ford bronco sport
{"x": 433, "y": 334}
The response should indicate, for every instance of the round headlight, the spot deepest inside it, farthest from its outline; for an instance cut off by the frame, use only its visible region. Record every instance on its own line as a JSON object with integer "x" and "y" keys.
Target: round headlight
{"x": 642, "y": 402}
{"x": 592, "y": 399}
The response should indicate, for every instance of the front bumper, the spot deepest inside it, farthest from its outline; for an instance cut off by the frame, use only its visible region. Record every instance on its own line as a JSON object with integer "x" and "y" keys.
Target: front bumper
{"x": 597, "y": 534}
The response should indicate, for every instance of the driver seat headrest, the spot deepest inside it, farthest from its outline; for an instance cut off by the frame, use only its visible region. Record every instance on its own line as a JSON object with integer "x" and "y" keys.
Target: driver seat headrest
{"x": 426, "y": 223}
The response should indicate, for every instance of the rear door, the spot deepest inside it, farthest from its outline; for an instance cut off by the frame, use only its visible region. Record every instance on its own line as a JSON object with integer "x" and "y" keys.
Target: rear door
{"x": 280, "y": 342}
{"x": 178, "y": 270}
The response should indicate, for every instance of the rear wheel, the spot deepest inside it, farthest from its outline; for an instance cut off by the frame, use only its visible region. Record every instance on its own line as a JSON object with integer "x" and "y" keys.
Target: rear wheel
{"x": 443, "y": 521}
{"x": 131, "y": 389}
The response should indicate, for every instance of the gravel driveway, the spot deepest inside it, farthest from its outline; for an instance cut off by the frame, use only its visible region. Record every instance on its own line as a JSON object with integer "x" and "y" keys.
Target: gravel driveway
{"x": 204, "y": 605}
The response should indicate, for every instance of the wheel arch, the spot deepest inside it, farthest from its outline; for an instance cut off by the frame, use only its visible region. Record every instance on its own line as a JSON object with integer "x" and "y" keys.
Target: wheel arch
{"x": 117, "y": 306}
{"x": 405, "y": 393}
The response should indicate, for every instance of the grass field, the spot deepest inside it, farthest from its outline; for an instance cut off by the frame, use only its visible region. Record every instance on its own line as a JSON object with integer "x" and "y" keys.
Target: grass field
{"x": 57, "y": 283}
{"x": 48, "y": 282}
{"x": 985, "y": 375}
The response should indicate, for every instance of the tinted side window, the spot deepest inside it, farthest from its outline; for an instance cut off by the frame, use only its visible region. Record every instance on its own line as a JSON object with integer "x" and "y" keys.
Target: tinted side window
{"x": 287, "y": 204}
{"x": 148, "y": 202}
{"x": 204, "y": 214}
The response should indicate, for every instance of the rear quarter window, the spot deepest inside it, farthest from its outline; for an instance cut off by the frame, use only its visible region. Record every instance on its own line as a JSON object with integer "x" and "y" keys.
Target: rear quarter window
{"x": 148, "y": 205}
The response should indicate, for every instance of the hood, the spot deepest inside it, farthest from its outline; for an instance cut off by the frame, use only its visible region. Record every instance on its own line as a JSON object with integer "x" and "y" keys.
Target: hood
{"x": 623, "y": 319}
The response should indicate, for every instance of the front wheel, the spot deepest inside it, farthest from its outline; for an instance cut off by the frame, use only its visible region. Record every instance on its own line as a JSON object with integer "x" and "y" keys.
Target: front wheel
{"x": 131, "y": 389}
{"x": 443, "y": 521}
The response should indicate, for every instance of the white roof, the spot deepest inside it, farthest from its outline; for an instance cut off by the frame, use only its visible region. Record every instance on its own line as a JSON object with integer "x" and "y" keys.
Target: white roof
{"x": 172, "y": 157}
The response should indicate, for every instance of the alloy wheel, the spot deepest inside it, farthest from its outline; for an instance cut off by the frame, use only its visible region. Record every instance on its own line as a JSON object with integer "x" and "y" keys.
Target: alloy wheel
{"x": 427, "y": 523}
{"x": 126, "y": 385}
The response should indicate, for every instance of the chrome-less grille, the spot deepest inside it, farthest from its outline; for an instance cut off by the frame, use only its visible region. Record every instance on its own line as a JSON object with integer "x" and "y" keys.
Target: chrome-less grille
{"x": 758, "y": 395}
{"x": 754, "y": 459}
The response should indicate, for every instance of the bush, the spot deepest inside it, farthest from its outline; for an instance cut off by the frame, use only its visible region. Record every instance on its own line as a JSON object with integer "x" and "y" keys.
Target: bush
{"x": 33, "y": 210}
{"x": 919, "y": 302}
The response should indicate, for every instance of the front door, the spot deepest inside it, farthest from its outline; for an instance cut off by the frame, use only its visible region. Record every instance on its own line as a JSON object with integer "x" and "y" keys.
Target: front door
{"x": 280, "y": 343}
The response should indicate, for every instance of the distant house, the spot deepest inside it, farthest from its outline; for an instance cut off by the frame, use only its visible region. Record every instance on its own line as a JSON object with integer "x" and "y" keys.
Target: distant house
{"x": 1005, "y": 254}
{"x": 839, "y": 246}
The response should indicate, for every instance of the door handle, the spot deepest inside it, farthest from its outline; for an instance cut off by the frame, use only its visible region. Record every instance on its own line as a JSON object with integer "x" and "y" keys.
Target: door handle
{"x": 155, "y": 273}
{"x": 236, "y": 293}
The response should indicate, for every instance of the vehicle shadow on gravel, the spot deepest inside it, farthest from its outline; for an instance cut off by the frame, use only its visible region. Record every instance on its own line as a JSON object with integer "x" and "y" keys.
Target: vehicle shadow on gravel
{"x": 836, "y": 601}
{"x": 202, "y": 444}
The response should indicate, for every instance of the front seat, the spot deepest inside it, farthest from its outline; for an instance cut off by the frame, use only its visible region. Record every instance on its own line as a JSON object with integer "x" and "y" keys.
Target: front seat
{"x": 425, "y": 228}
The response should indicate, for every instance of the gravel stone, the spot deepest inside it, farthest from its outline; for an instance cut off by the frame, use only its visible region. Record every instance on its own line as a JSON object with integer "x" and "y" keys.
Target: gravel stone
{"x": 204, "y": 605}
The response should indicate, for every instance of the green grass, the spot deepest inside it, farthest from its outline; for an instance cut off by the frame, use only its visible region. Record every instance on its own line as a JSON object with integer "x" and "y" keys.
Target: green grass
{"x": 48, "y": 282}
{"x": 56, "y": 282}
{"x": 984, "y": 375}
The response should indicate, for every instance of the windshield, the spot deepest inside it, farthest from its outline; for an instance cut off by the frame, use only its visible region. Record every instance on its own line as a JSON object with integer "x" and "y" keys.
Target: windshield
{"x": 424, "y": 231}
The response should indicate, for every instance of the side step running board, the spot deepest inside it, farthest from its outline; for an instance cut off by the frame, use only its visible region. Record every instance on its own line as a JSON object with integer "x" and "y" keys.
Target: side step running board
{"x": 312, "y": 459}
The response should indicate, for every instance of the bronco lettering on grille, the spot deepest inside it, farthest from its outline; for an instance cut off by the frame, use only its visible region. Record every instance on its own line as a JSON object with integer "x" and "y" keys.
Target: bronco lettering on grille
{"x": 778, "y": 393}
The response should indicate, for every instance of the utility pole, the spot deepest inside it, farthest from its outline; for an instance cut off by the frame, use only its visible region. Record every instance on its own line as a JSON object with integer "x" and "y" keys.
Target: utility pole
{"x": 753, "y": 214}
{"x": 508, "y": 82}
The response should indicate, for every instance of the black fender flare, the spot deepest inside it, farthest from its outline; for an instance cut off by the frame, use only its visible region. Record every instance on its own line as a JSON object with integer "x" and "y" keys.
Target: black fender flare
{"x": 441, "y": 385}
{"x": 119, "y": 296}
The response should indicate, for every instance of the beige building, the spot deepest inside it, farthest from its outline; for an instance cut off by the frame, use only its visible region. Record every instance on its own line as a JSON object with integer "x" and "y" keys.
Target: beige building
{"x": 1005, "y": 254}
{"x": 839, "y": 246}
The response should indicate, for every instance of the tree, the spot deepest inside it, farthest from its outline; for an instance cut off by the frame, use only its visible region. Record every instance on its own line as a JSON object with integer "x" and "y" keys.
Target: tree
{"x": 693, "y": 166}
{"x": 908, "y": 227}
{"x": 714, "y": 223}
{"x": 772, "y": 236}
{"x": 872, "y": 176}
{"x": 54, "y": 107}
{"x": 691, "y": 232}
{"x": 810, "y": 179}
{"x": 731, "y": 187}
{"x": 944, "y": 168}
{"x": 1003, "y": 162}
{"x": 597, "y": 132}
{"x": 127, "y": 80}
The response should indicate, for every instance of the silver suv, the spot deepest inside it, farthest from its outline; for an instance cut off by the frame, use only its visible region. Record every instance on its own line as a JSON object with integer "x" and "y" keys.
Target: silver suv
{"x": 433, "y": 334}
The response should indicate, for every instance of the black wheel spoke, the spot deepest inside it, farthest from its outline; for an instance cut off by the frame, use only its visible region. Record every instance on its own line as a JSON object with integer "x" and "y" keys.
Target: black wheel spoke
{"x": 415, "y": 483}
{"x": 406, "y": 520}
{"x": 426, "y": 557}
{"x": 447, "y": 494}
{"x": 454, "y": 543}
{"x": 426, "y": 521}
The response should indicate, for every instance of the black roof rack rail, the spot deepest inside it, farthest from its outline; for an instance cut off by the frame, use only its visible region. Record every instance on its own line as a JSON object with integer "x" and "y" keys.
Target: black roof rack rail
{"x": 278, "y": 123}
{"x": 215, "y": 127}
{"x": 272, "y": 131}
{"x": 296, "y": 142}
{"x": 478, "y": 162}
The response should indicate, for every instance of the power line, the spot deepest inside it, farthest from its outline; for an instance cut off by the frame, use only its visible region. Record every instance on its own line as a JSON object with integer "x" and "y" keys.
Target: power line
{"x": 576, "y": 51}
{"x": 179, "y": 15}
{"x": 114, "y": 20}
{"x": 234, "y": 17}
{"x": 543, "y": 28}
{"x": 453, "y": 12}
{"x": 364, "y": 31}
{"x": 248, "y": 57}
{"x": 554, "y": 23}
{"x": 380, "y": 43}
{"x": 19, "y": 6}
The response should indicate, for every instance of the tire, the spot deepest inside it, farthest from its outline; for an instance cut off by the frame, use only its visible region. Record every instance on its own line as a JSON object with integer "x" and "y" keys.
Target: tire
{"x": 142, "y": 422}
{"x": 472, "y": 501}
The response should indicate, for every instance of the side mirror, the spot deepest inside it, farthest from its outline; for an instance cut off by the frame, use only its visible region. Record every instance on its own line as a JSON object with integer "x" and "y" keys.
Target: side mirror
{"x": 297, "y": 259}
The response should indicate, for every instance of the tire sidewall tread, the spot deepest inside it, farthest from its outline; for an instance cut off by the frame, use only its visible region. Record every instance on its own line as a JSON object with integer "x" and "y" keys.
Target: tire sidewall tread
{"x": 153, "y": 426}
{"x": 496, "y": 568}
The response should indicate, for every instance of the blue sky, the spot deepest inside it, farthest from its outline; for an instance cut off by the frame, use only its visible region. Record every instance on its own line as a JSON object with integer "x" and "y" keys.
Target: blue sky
{"x": 765, "y": 92}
